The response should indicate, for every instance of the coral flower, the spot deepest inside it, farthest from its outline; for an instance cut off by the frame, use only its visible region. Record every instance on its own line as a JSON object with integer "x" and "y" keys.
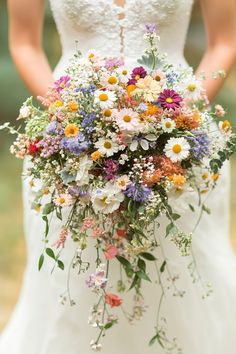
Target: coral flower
{"x": 110, "y": 252}
{"x": 113, "y": 300}
{"x": 170, "y": 99}
{"x": 71, "y": 130}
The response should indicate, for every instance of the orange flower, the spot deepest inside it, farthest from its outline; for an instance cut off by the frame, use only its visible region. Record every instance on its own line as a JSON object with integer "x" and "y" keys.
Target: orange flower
{"x": 130, "y": 89}
{"x": 71, "y": 130}
{"x": 96, "y": 155}
{"x": 215, "y": 177}
{"x": 152, "y": 110}
{"x": 113, "y": 300}
{"x": 73, "y": 106}
{"x": 152, "y": 179}
{"x": 187, "y": 122}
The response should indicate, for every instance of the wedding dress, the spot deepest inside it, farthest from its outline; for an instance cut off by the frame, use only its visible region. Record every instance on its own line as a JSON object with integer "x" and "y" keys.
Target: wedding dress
{"x": 40, "y": 324}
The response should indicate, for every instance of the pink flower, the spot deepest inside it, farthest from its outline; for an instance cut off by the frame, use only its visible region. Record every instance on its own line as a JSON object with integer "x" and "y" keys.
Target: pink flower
{"x": 110, "y": 252}
{"x": 97, "y": 232}
{"x": 62, "y": 238}
{"x": 113, "y": 300}
{"x": 63, "y": 200}
{"x": 88, "y": 223}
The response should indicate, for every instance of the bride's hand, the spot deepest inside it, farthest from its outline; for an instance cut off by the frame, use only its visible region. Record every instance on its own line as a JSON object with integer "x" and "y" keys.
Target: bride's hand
{"x": 220, "y": 23}
{"x": 25, "y": 35}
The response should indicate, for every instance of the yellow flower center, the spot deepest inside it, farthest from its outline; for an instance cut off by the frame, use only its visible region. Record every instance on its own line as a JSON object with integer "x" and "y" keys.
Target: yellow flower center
{"x": 124, "y": 72}
{"x": 71, "y": 130}
{"x": 215, "y": 176}
{"x": 169, "y": 100}
{"x": 137, "y": 77}
{"x": 176, "y": 148}
{"x": 157, "y": 78}
{"x": 127, "y": 118}
{"x": 58, "y": 103}
{"x": 107, "y": 144}
{"x": 168, "y": 125}
{"x": 192, "y": 87}
{"x": 62, "y": 200}
{"x": 226, "y": 125}
{"x": 112, "y": 80}
{"x": 103, "y": 97}
{"x": 107, "y": 113}
{"x": 122, "y": 183}
{"x": 91, "y": 55}
{"x": 103, "y": 200}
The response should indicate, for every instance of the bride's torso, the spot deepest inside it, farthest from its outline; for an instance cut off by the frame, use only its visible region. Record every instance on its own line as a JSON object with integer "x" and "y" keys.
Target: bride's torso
{"x": 118, "y": 30}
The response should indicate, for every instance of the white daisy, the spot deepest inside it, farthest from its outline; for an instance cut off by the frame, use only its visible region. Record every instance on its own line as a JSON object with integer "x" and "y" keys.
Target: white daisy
{"x": 128, "y": 120}
{"x": 109, "y": 81}
{"x": 192, "y": 88}
{"x": 225, "y": 127}
{"x": 167, "y": 125}
{"x": 123, "y": 74}
{"x": 123, "y": 181}
{"x": 106, "y": 99}
{"x": 107, "y": 146}
{"x": 177, "y": 149}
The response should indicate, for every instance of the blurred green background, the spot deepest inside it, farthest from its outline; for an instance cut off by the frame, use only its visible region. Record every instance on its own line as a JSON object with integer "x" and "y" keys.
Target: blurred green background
{"x": 12, "y": 94}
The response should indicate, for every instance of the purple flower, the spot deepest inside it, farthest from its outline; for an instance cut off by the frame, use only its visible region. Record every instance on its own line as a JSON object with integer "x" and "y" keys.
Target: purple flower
{"x": 170, "y": 99}
{"x": 112, "y": 63}
{"x": 52, "y": 127}
{"x": 199, "y": 144}
{"x": 137, "y": 73}
{"x": 49, "y": 145}
{"x": 75, "y": 145}
{"x": 97, "y": 280}
{"x": 150, "y": 28}
{"x": 110, "y": 168}
{"x": 62, "y": 83}
{"x": 138, "y": 192}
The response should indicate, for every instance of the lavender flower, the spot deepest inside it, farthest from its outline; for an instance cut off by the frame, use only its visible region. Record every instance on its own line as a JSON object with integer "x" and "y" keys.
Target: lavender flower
{"x": 150, "y": 28}
{"x": 49, "y": 145}
{"x": 199, "y": 144}
{"x": 75, "y": 145}
{"x": 97, "y": 280}
{"x": 137, "y": 192}
{"x": 51, "y": 128}
{"x": 112, "y": 63}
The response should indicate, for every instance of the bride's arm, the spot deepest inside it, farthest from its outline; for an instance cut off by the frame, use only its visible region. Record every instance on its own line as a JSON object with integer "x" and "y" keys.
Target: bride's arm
{"x": 220, "y": 23}
{"x": 25, "y": 35}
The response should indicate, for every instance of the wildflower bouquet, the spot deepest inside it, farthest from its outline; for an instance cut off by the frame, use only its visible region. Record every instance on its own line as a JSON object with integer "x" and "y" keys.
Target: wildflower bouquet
{"x": 114, "y": 149}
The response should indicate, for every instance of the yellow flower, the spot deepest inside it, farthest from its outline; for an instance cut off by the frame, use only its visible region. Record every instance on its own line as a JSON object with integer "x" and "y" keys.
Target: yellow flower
{"x": 178, "y": 180}
{"x": 71, "y": 130}
{"x": 57, "y": 103}
{"x": 148, "y": 88}
{"x": 96, "y": 155}
{"x": 73, "y": 106}
{"x": 215, "y": 177}
{"x": 130, "y": 89}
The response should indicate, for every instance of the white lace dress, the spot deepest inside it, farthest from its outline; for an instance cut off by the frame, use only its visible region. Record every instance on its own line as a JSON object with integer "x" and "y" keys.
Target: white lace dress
{"x": 40, "y": 324}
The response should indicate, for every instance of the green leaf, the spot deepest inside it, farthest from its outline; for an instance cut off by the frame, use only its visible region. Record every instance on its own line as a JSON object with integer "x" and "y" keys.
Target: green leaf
{"x": 124, "y": 262}
{"x": 207, "y": 210}
{"x": 48, "y": 208}
{"x": 58, "y": 213}
{"x": 60, "y": 265}
{"x": 41, "y": 260}
{"x": 175, "y": 216}
{"x": 143, "y": 275}
{"x": 108, "y": 325}
{"x": 50, "y": 253}
{"x": 153, "y": 340}
{"x": 134, "y": 282}
{"x": 142, "y": 265}
{"x": 191, "y": 207}
{"x": 46, "y": 226}
{"x": 162, "y": 269}
{"x": 171, "y": 229}
{"x": 148, "y": 256}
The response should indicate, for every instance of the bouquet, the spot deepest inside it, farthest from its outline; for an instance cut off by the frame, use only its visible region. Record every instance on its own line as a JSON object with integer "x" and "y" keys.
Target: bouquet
{"x": 115, "y": 151}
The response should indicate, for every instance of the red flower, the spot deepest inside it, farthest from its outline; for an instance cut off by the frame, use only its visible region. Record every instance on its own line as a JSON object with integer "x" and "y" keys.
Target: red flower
{"x": 121, "y": 232}
{"x": 113, "y": 300}
{"x": 33, "y": 148}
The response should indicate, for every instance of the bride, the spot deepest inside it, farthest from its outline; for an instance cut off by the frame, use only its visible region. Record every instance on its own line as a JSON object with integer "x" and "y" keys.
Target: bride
{"x": 40, "y": 324}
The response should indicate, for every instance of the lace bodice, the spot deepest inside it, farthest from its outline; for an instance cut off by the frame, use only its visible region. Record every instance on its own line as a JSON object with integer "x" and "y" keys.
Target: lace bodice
{"x": 117, "y": 30}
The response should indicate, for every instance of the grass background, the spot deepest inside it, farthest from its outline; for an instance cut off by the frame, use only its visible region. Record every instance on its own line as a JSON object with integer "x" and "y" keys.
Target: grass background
{"x": 12, "y": 93}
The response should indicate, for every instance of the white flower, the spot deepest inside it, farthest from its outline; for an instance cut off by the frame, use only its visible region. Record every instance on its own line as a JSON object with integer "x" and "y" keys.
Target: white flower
{"x": 97, "y": 347}
{"x": 107, "y": 146}
{"x": 192, "y": 88}
{"x": 123, "y": 182}
{"x": 109, "y": 81}
{"x": 123, "y": 74}
{"x": 148, "y": 87}
{"x": 63, "y": 200}
{"x": 144, "y": 142}
{"x": 123, "y": 158}
{"x": 177, "y": 149}
{"x": 105, "y": 99}
{"x": 82, "y": 176}
{"x": 159, "y": 76}
{"x": 25, "y": 112}
{"x": 128, "y": 120}
{"x": 225, "y": 127}
{"x": 107, "y": 199}
{"x": 167, "y": 125}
